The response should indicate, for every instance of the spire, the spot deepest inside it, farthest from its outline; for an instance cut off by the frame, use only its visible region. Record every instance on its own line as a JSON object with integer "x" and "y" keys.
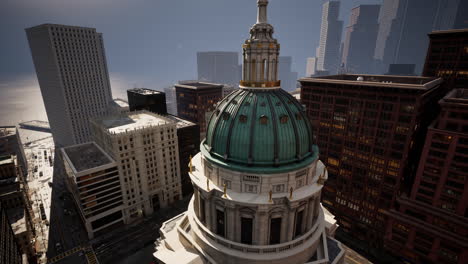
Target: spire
{"x": 262, "y": 11}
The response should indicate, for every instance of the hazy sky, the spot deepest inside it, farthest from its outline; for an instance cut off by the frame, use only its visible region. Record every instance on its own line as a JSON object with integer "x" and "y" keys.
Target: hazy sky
{"x": 153, "y": 43}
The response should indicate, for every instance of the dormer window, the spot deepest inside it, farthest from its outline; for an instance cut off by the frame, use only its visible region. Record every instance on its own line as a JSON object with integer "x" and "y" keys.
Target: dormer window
{"x": 263, "y": 120}
{"x": 243, "y": 119}
{"x": 284, "y": 119}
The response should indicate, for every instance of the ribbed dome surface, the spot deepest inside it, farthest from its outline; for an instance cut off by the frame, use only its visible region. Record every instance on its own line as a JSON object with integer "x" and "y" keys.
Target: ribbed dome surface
{"x": 255, "y": 127}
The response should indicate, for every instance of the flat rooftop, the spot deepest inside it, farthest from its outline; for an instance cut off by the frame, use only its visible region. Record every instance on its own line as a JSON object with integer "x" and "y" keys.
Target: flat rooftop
{"x": 450, "y": 31}
{"x": 132, "y": 121}
{"x": 7, "y": 131}
{"x": 7, "y": 159}
{"x": 386, "y": 81}
{"x": 180, "y": 122}
{"x": 198, "y": 85}
{"x": 144, "y": 91}
{"x": 120, "y": 102}
{"x": 86, "y": 156}
{"x": 458, "y": 96}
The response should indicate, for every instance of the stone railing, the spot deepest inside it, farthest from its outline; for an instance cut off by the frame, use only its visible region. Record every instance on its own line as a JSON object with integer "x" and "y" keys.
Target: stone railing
{"x": 269, "y": 249}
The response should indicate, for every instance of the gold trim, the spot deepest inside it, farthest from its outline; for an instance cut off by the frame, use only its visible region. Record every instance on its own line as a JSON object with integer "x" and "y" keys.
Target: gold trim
{"x": 260, "y": 84}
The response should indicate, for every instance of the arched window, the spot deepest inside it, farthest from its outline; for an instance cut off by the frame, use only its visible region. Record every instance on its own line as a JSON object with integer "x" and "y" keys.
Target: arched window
{"x": 254, "y": 70}
{"x": 263, "y": 120}
{"x": 264, "y": 70}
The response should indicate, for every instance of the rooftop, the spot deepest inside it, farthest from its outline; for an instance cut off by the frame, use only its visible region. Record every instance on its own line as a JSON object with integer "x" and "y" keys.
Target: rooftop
{"x": 450, "y": 31}
{"x": 132, "y": 121}
{"x": 180, "y": 122}
{"x": 36, "y": 125}
{"x": 86, "y": 156}
{"x": 120, "y": 102}
{"x": 198, "y": 85}
{"x": 7, "y": 131}
{"x": 6, "y": 159}
{"x": 144, "y": 91}
{"x": 385, "y": 81}
{"x": 458, "y": 96}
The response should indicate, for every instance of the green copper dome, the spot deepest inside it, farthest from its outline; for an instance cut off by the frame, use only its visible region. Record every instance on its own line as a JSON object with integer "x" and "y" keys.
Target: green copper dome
{"x": 259, "y": 128}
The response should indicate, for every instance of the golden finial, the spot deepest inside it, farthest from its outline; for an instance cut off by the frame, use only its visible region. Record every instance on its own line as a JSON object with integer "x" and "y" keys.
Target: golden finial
{"x": 190, "y": 163}
{"x": 271, "y": 193}
{"x": 225, "y": 191}
{"x": 208, "y": 184}
{"x": 290, "y": 192}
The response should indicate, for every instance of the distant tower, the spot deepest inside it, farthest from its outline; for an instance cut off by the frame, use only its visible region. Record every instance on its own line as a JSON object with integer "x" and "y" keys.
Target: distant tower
{"x": 72, "y": 72}
{"x": 330, "y": 38}
{"x": 218, "y": 67}
{"x": 361, "y": 35}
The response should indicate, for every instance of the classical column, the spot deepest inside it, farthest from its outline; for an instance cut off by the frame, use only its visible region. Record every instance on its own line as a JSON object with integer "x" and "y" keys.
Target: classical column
{"x": 231, "y": 222}
{"x": 260, "y": 234}
{"x": 291, "y": 217}
{"x": 310, "y": 213}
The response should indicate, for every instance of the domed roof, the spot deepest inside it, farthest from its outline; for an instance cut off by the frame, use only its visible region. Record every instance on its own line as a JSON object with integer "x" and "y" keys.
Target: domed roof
{"x": 259, "y": 128}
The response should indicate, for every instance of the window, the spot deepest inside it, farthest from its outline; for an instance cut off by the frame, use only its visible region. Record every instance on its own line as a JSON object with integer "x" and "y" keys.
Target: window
{"x": 298, "y": 227}
{"x": 220, "y": 223}
{"x": 243, "y": 118}
{"x": 263, "y": 120}
{"x": 275, "y": 230}
{"x": 246, "y": 230}
{"x": 251, "y": 188}
{"x": 278, "y": 188}
{"x": 284, "y": 119}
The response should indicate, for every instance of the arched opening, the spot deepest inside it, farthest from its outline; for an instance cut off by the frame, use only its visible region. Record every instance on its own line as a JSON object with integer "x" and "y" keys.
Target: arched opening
{"x": 254, "y": 70}
{"x": 264, "y": 70}
{"x": 274, "y": 67}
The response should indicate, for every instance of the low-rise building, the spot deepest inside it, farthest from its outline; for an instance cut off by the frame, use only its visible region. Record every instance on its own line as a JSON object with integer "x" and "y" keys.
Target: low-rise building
{"x": 93, "y": 179}
{"x": 145, "y": 148}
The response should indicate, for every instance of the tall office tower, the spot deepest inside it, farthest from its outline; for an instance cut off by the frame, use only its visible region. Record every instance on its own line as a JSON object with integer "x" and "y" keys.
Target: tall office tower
{"x": 447, "y": 57}
{"x": 431, "y": 225}
{"x": 188, "y": 137}
{"x": 195, "y": 99}
{"x": 311, "y": 66}
{"x": 461, "y": 20}
{"x": 286, "y": 75}
{"x": 328, "y": 56}
{"x": 361, "y": 36}
{"x": 147, "y": 99}
{"x": 403, "y": 26}
{"x": 257, "y": 180}
{"x": 9, "y": 249}
{"x": 72, "y": 72}
{"x": 8, "y": 141}
{"x": 145, "y": 147}
{"x": 401, "y": 69}
{"x": 93, "y": 180}
{"x": 370, "y": 131}
{"x": 218, "y": 67}
{"x": 171, "y": 100}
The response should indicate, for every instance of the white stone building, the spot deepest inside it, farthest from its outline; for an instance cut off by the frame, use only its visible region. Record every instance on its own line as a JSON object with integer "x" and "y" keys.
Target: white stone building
{"x": 258, "y": 178}
{"x": 145, "y": 147}
{"x": 72, "y": 72}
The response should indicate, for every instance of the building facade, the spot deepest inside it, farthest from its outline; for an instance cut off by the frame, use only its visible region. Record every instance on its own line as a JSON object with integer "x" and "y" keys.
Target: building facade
{"x": 94, "y": 182}
{"x": 145, "y": 148}
{"x": 257, "y": 180}
{"x": 72, "y": 72}
{"x": 171, "y": 100}
{"x": 403, "y": 26}
{"x": 360, "y": 39}
{"x": 370, "y": 131}
{"x": 447, "y": 57}
{"x": 9, "y": 248}
{"x": 147, "y": 99}
{"x": 431, "y": 224}
{"x": 328, "y": 56}
{"x": 195, "y": 99}
{"x": 188, "y": 137}
{"x": 218, "y": 67}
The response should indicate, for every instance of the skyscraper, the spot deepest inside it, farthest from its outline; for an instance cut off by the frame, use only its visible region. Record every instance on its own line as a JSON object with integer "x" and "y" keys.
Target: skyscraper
{"x": 257, "y": 180}
{"x": 286, "y": 75}
{"x": 370, "y": 131}
{"x": 431, "y": 224}
{"x": 403, "y": 26}
{"x": 195, "y": 100}
{"x": 218, "y": 67}
{"x": 9, "y": 248}
{"x": 447, "y": 57}
{"x": 360, "y": 39}
{"x": 72, "y": 72}
{"x": 461, "y": 20}
{"x": 328, "y": 57}
{"x": 311, "y": 67}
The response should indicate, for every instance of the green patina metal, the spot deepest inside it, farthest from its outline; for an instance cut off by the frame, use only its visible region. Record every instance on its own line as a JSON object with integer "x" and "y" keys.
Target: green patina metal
{"x": 260, "y": 131}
